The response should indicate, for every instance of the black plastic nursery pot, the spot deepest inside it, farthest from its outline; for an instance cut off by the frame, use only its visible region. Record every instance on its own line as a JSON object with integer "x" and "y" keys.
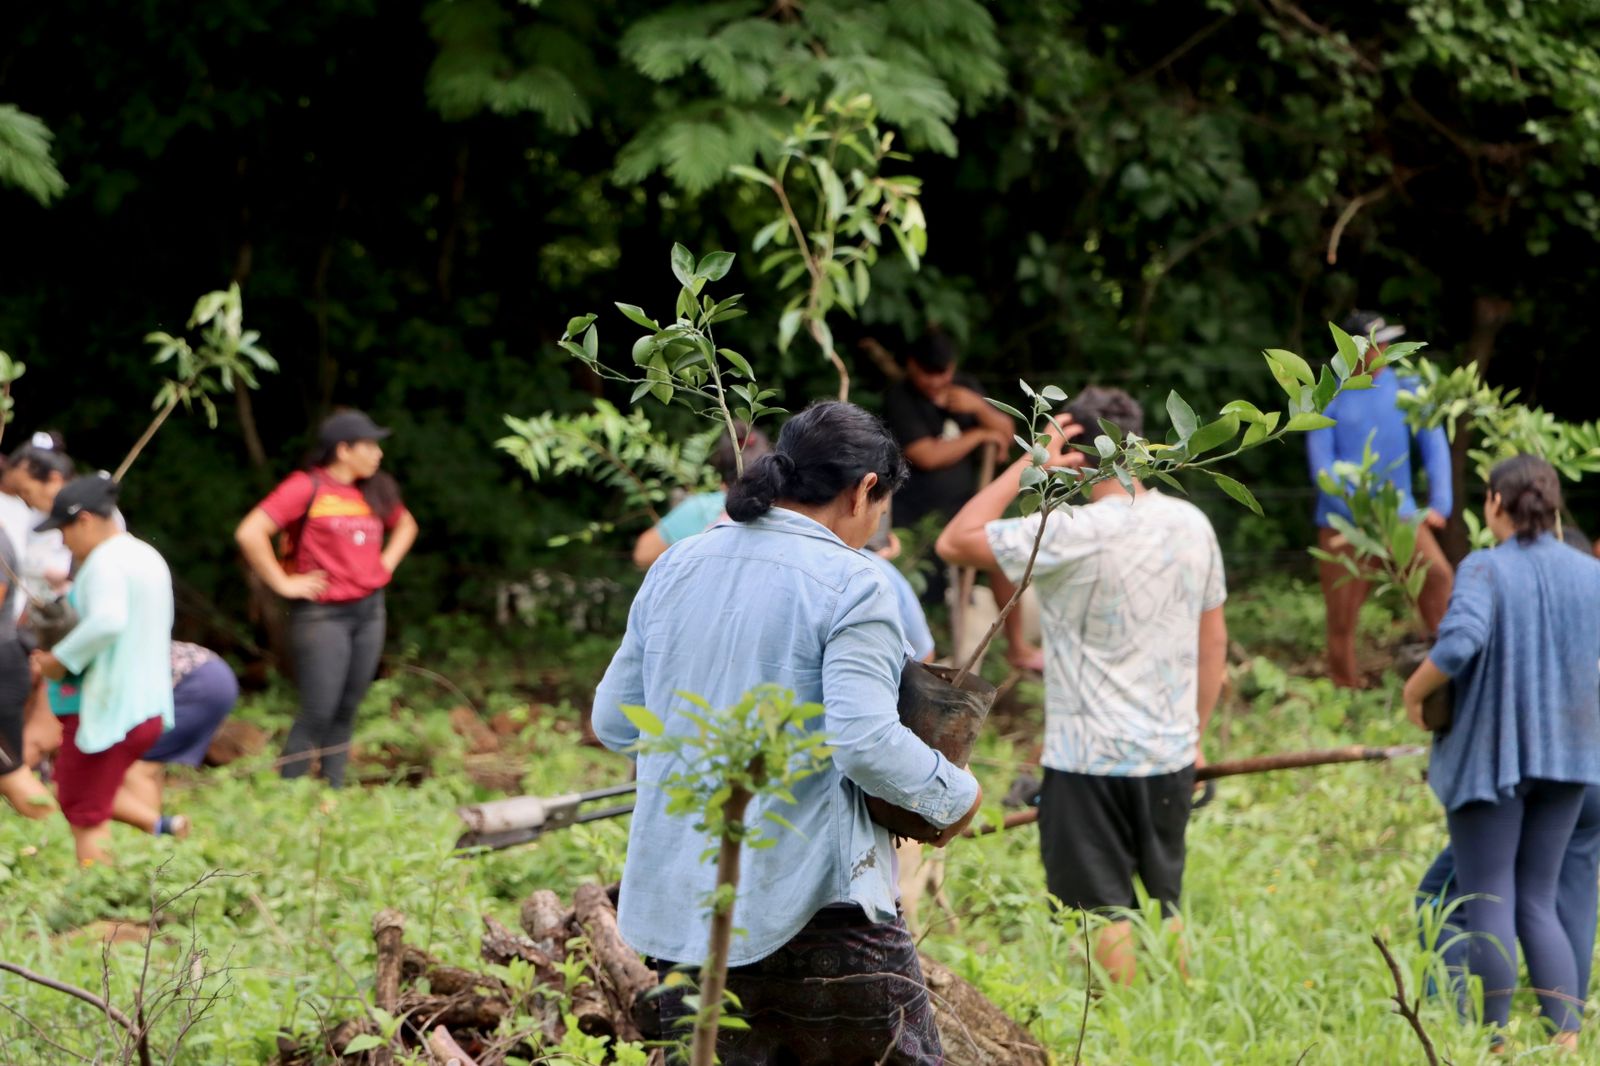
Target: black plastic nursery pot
{"x": 946, "y": 718}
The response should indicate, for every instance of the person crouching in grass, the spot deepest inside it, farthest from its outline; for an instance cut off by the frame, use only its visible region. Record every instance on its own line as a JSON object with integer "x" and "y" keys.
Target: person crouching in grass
{"x": 121, "y": 649}
{"x": 1130, "y": 593}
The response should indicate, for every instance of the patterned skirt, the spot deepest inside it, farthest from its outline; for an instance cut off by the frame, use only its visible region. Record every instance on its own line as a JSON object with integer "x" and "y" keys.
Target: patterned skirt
{"x": 844, "y": 992}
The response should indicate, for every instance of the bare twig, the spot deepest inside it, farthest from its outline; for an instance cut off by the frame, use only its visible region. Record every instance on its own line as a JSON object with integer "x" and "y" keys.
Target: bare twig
{"x": 1088, "y": 987}
{"x": 72, "y": 990}
{"x": 1349, "y": 212}
{"x": 1406, "y": 1010}
{"x": 44, "y": 1036}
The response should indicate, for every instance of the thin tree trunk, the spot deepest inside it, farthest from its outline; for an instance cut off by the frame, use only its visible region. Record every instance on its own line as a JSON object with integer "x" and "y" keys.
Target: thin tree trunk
{"x": 144, "y": 439}
{"x": 714, "y": 979}
{"x": 1489, "y": 316}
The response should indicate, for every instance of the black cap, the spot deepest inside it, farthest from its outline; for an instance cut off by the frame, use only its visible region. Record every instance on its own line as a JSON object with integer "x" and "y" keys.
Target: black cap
{"x": 347, "y": 426}
{"x": 1364, "y": 324}
{"x": 96, "y": 494}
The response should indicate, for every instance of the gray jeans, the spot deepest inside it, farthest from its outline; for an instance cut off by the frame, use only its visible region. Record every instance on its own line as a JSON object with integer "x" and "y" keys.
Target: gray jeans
{"x": 336, "y": 652}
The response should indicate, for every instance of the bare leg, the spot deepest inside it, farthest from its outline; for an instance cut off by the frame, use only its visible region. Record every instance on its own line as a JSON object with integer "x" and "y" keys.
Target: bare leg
{"x": 1437, "y": 586}
{"x": 1019, "y": 652}
{"x": 1343, "y": 596}
{"x": 144, "y": 779}
{"x": 27, "y": 794}
{"x": 91, "y": 844}
{"x": 1114, "y": 951}
{"x": 129, "y": 809}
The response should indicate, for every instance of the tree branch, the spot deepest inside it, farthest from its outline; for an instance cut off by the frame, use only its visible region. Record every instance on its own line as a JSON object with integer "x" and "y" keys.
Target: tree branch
{"x": 1349, "y": 212}
{"x": 73, "y": 990}
{"x": 1408, "y": 1011}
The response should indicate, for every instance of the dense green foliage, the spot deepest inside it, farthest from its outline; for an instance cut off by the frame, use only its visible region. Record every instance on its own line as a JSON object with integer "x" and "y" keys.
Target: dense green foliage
{"x": 1289, "y": 873}
{"x": 414, "y": 196}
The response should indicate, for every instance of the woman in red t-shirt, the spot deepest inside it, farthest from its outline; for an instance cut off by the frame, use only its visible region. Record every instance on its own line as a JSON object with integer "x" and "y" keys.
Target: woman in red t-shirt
{"x": 337, "y": 515}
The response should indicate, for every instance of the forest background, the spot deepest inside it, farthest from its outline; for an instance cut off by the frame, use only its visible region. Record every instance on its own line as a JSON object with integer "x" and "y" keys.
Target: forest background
{"x": 417, "y": 197}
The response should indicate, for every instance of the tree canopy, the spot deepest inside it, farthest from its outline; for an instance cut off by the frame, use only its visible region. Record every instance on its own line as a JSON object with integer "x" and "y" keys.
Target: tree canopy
{"x": 415, "y": 198}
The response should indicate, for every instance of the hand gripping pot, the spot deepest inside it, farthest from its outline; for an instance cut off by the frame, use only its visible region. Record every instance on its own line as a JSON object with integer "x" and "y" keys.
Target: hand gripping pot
{"x": 945, "y": 717}
{"x": 1438, "y": 707}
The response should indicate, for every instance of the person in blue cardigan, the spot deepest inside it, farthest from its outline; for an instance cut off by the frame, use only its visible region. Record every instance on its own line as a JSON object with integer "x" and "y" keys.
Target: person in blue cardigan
{"x": 1373, "y": 414}
{"x": 1521, "y": 641}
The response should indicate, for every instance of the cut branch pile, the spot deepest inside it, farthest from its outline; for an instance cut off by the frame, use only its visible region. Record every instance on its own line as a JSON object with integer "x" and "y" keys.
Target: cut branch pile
{"x": 474, "y": 1018}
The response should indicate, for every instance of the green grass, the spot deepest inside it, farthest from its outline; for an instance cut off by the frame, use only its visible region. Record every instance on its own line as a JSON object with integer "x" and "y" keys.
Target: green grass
{"x": 1289, "y": 875}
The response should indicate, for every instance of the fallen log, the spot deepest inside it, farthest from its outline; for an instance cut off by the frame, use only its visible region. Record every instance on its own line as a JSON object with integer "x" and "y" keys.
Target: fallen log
{"x": 550, "y": 925}
{"x": 388, "y": 929}
{"x": 628, "y": 977}
{"x": 462, "y": 1011}
{"x": 448, "y": 1009}
{"x": 500, "y": 945}
{"x": 973, "y": 1030}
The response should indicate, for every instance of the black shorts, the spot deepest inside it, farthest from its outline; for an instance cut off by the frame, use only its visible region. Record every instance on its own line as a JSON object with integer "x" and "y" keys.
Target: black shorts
{"x": 1096, "y": 832}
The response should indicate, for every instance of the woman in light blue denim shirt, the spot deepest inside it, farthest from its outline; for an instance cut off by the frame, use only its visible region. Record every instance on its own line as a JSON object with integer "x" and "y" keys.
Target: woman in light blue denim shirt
{"x": 782, "y": 596}
{"x": 1521, "y": 640}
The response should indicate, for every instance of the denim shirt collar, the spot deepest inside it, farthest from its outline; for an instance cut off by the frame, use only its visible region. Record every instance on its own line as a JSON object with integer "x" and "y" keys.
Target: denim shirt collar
{"x": 787, "y": 521}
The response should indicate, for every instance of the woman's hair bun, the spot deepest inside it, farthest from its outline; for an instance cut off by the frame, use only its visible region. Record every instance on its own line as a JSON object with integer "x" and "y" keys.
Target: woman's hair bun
{"x": 762, "y": 485}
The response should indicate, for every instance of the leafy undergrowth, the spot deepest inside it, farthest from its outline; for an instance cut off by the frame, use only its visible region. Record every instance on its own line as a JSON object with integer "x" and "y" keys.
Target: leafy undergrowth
{"x": 1289, "y": 875}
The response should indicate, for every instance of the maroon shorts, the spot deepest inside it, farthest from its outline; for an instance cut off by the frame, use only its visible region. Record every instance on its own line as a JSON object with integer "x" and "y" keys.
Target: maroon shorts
{"x": 87, "y": 783}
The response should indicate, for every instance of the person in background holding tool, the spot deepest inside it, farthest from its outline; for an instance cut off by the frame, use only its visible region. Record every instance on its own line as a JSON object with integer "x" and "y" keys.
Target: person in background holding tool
{"x": 781, "y": 595}
{"x": 944, "y": 424}
{"x": 699, "y": 513}
{"x": 121, "y": 649}
{"x": 1372, "y": 414}
{"x": 703, "y": 510}
{"x": 1521, "y": 641}
{"x": 1131, "y": 590}
{"x": 336, "y": 514}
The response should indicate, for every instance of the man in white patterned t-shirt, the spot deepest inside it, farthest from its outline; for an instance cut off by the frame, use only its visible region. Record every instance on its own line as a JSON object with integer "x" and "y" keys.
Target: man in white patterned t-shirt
{"x": 1131, "y": 589}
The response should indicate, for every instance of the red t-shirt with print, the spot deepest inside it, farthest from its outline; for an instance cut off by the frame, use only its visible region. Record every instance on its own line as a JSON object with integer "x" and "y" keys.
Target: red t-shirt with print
{"x": 336, "y": 532}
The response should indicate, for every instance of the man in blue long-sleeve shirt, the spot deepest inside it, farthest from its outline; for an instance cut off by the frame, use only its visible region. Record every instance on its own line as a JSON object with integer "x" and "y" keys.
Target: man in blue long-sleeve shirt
{"x": 1374, "y": 413}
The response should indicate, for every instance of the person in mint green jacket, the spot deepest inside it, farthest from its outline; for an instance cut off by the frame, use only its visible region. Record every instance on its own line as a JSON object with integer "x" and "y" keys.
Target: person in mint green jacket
{"x": 117, "y": 657}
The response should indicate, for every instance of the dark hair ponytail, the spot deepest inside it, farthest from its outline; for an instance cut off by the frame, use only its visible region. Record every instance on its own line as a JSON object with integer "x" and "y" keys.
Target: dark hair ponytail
{"x": 381, "y": 490}
{"x": 1530, "y": 494}
{"x": 822, "y": 451}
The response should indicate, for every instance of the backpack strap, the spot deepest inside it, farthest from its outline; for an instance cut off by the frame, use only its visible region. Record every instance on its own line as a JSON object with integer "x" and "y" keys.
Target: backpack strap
{"x": 289, "y": 549}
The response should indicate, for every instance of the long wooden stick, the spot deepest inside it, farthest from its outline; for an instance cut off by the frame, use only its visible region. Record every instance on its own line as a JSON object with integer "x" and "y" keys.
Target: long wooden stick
{"x": 967, "y": 576}
{"x": 1259, "y": 764}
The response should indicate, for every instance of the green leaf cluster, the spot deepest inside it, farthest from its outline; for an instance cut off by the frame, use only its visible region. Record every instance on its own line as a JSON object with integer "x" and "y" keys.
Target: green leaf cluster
{"x": 681, "y": 361}
{"x": 761, "y": 746}
{"x": 25, "y": 160}
{"x": 834, "y": 206}
{"x": 624, "y": 453}
{"x": 226, "y": 352}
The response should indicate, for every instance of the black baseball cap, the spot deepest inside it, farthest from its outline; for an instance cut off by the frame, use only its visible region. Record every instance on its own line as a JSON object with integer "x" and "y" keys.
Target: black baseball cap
{"x": 346, "y": 426}
{"x": 1364, "y": 324}
{"x": 96, "y": 494}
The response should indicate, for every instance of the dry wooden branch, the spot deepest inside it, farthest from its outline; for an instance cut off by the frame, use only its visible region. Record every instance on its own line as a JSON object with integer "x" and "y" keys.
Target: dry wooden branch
{"x": 1406, "y": 1010}
{"x": 973, "y": 1030}
{"x": 446, "y": 1050}
{"x": 545, "y": 918}
{"x": 72, "y": 990}
{"x": 388, "y": 929}
{"x": 628, "y": 976}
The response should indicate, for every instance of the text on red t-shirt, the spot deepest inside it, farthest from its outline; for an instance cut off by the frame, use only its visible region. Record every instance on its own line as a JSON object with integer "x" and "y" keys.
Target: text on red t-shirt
{"x": 335, "y": 532}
